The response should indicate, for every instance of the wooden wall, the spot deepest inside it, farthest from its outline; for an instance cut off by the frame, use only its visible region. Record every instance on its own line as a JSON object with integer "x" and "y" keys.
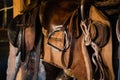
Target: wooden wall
{"x": 19, "y": 5}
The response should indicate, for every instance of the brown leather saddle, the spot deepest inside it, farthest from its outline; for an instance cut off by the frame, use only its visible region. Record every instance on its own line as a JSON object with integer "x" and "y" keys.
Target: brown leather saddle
{"x": 63, "y": 13}
{"x": 56, "y": 18}
{"x": 53, "y": 14}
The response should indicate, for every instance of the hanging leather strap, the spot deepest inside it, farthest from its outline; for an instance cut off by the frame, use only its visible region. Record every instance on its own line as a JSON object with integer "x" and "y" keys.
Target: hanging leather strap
{"x": 118, "y": 29}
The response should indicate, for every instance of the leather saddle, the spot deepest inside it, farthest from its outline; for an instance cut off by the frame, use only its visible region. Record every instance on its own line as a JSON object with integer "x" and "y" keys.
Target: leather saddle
{"x": 57, "y": 14}
{"x": 23, "y": 31}
{"x": 53, "y": 14}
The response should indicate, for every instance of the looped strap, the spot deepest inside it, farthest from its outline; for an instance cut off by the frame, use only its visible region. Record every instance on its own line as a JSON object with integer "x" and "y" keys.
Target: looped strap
{"x": 86, "y": 32}
{"x": 96, "y": 58}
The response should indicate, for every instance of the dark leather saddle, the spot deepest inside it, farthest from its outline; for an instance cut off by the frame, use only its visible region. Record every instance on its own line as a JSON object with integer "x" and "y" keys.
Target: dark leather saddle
{"x": 24, "y": 30}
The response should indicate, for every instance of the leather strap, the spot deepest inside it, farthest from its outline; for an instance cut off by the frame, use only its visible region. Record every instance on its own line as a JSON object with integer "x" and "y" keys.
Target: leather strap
{"x": 118, "y": 29}
{"x": 118, "y": 49}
